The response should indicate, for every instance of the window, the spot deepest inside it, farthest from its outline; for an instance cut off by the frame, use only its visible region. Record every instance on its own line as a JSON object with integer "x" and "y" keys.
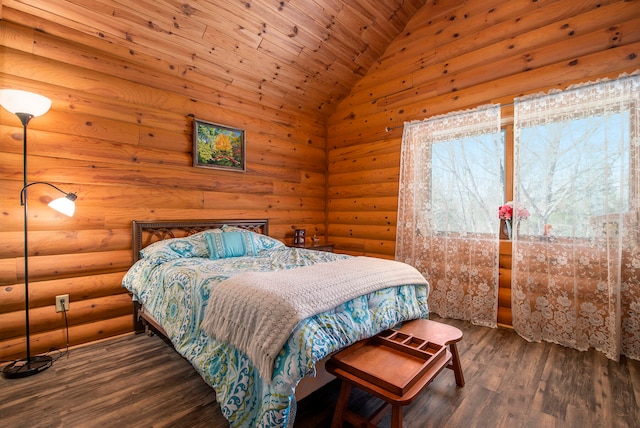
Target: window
{"x": 468, "y": 177}
{"x": 573, "y": 172}
{"x": 451, "y": 180}
{"x": 577, "y": 170}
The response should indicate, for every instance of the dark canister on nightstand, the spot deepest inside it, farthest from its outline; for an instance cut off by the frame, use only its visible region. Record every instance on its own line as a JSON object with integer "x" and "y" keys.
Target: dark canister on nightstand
{"x": 299, "y": 237}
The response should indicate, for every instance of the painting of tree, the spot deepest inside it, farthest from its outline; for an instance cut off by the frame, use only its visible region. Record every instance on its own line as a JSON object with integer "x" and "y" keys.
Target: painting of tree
{"x": 218, "y": 146}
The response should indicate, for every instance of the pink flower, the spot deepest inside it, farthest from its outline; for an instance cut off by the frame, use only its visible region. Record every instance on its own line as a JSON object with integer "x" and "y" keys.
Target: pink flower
{"x": 505, "y": 212}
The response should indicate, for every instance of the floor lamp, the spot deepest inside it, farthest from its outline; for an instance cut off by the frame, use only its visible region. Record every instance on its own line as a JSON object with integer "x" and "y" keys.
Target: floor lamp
{"x": 27, "y": 105}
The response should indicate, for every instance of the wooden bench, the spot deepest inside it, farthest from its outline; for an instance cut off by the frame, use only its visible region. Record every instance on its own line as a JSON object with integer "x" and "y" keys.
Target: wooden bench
{"x": 394, "y": 366}
{"x": 442, "y": 334}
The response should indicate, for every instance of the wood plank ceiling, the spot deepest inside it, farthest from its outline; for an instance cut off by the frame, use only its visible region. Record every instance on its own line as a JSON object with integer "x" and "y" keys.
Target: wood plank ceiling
{"x": 298, "y": 55}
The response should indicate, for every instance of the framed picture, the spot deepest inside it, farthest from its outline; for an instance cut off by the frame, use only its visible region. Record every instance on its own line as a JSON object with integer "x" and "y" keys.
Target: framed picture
{"x": 218, "y": 146}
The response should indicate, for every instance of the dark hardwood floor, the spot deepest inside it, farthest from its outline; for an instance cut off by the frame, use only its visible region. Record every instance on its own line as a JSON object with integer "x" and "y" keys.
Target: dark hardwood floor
{"x": 139, "y": 381}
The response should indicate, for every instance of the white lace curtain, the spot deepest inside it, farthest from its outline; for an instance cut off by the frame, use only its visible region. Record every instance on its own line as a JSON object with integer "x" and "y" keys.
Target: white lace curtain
{"x": 576, "y": 259}
{"x": 450, "y": 187}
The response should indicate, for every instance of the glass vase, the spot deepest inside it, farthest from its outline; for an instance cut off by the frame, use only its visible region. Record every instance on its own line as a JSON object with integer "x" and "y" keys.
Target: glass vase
{"x": 507, "y": 231}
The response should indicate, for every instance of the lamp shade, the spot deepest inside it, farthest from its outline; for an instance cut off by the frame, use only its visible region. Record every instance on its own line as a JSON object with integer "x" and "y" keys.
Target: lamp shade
{"x": 17, "y": 101}
{"x": 65, "y": 204}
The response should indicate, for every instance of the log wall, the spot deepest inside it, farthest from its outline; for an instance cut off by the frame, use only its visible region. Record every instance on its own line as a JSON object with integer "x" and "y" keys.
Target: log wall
{"x": 454, "y": 56}
{"x": 122, "y": 142}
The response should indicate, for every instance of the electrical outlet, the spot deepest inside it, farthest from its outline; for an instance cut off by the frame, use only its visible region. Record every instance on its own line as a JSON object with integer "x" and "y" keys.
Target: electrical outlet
{"x": 62, "y": 303}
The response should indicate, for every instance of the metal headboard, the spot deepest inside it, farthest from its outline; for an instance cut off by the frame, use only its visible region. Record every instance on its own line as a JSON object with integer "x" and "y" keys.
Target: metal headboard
{"x": 148, "y": 232}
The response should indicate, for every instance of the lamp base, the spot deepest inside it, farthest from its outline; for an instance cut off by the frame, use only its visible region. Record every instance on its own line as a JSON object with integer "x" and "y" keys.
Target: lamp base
{"x": 27, "y": 367}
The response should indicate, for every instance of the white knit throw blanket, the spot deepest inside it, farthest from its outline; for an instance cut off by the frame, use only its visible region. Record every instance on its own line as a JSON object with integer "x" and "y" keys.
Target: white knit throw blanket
{"x": 257, "y": 311}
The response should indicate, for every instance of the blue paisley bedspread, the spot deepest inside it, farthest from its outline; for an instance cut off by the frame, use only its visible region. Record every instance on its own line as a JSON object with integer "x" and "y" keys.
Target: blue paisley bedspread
{"x": 175, "y": 292}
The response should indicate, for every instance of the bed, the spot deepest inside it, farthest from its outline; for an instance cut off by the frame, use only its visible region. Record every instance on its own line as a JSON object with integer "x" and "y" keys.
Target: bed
{"x": 220, "y": 291}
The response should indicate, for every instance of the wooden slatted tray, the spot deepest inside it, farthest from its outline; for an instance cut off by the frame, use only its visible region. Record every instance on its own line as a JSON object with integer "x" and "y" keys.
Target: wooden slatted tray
{"x": 392, "y": 360}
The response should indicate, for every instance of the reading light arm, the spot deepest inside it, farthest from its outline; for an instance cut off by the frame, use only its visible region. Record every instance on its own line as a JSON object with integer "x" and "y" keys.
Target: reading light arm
{"x": 71, "y": 196}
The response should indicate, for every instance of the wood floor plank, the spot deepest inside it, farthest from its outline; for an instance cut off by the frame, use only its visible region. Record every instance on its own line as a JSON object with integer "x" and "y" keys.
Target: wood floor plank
{"x": 140, "y": 381}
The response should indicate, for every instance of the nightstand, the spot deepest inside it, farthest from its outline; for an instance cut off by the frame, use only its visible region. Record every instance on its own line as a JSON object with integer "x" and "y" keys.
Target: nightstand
{"x": 320, "y": 247}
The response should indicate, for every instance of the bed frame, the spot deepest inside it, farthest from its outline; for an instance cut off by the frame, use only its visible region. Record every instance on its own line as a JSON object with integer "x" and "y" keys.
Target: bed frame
{"x": 147, "y": 232}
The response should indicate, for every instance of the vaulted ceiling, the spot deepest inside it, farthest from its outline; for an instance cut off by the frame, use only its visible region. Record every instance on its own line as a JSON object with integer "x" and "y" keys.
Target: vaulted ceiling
{"x": 302, "y": 55}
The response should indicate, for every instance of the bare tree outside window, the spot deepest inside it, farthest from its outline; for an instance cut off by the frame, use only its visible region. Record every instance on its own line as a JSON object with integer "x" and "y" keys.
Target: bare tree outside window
{"x": 572, "y": 171}
{"x": 466, "y": 176}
